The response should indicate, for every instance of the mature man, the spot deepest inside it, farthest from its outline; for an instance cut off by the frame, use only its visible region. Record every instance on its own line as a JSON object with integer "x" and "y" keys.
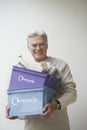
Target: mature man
{"x": 55, "y": 115}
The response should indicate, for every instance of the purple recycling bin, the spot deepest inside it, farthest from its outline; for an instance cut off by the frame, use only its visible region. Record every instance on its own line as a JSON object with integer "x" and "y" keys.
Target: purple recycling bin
{"x": 23, "y": 78}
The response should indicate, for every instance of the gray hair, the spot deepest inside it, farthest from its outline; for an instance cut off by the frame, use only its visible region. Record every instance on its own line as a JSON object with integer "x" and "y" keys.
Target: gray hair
{"x": 38, "y": 33}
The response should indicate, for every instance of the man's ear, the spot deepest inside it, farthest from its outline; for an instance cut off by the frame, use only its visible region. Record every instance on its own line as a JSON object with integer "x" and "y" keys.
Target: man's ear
{"x": 47, "y": 45}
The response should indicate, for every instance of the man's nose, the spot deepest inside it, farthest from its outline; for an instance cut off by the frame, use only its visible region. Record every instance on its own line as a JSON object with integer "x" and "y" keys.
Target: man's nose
{"x": 38, "y": 47}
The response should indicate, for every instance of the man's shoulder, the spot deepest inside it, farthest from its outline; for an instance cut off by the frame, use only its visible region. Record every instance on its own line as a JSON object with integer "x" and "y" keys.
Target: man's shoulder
{"x": 58, "y": 60}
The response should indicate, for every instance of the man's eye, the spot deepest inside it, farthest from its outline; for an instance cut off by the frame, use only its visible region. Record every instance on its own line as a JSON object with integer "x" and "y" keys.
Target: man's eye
{"x": 34, "y": 46}
{"x": 42, "y": 45}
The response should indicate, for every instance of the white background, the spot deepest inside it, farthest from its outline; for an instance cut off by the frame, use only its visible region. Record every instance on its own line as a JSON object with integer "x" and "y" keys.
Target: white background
{"x": 65, "y": 22}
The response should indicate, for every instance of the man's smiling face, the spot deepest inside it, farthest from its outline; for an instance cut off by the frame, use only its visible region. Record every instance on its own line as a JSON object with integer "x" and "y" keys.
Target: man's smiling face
{"x": 38, "y": 48}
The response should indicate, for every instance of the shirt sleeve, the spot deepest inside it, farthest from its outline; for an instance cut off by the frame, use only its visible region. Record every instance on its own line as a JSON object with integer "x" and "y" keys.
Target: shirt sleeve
{"x": 68, "y": 89}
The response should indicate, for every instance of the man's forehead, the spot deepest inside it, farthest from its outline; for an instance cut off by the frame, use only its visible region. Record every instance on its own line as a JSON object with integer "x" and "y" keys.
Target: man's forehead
{"x": 36, "y": 39}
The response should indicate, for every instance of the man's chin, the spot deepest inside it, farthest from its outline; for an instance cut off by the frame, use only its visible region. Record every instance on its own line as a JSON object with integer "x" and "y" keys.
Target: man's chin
{"x": 38, "y": 59}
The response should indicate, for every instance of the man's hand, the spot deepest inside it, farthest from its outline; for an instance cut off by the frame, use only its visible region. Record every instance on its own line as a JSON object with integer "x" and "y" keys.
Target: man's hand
{"x": 7, "y": 114}
{"x": 49, "y": 109}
